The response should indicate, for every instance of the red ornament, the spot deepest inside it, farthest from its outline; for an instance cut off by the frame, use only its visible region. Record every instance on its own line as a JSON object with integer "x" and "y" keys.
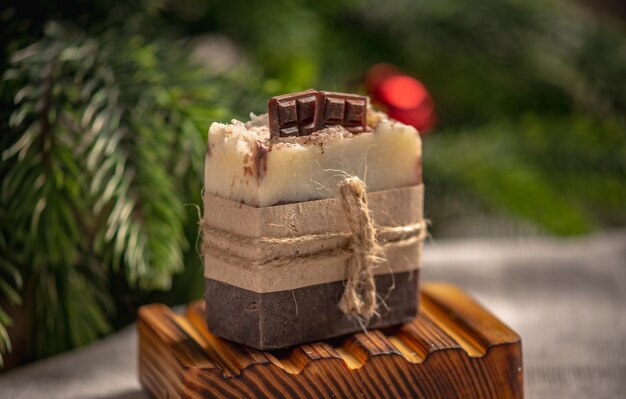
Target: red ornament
{"x": 403, "y": 97}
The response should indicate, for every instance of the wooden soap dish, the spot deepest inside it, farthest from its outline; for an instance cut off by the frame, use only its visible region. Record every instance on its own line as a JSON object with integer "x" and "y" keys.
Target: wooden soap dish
{"x": 453, "y": 349}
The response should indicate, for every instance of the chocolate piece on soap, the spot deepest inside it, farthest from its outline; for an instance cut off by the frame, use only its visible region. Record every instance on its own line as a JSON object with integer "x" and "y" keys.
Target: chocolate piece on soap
{"x": 347, "y": 110}
{"x": 300, "y": 114}
{"x": 295, "y": 114}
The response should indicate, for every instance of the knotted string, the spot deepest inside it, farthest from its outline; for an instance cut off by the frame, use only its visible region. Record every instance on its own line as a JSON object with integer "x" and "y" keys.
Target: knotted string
{"x": 359, "y": 296}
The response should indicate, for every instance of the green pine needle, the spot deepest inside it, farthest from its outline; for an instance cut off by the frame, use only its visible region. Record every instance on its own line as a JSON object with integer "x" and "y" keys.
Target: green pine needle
{"x": 101, "y": 156}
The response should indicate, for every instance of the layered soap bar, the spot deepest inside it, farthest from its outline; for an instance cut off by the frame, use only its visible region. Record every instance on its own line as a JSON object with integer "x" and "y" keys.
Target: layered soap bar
{"x": 279, "y": 244}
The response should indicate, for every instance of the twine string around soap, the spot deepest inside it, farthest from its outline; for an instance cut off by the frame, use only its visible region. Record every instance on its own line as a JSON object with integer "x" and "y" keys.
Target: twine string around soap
{"x": 359, "y": 296}
{"x": 365, "y": 248}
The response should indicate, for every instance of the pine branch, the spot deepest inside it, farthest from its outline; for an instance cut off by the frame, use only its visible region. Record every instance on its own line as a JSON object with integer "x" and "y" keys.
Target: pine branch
{"x": 94, "y": 171}
{"x": 10, "y": 283}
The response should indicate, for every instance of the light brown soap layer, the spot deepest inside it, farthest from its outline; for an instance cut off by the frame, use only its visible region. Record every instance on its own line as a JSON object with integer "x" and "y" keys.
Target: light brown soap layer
{"x": 246, "y": 243}
{"x": 244, "y": 165}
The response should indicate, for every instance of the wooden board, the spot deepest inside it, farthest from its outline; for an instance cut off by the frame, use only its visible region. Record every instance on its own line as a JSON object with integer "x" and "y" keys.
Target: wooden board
{"x": 453, "y": 349}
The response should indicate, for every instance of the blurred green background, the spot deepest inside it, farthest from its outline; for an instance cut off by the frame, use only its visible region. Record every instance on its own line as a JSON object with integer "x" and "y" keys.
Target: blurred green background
{"x": 104, "y": 109}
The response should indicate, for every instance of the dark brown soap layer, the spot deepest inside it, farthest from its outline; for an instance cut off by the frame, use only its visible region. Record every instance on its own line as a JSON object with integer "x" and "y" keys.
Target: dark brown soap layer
{"x": 285, "y": 318}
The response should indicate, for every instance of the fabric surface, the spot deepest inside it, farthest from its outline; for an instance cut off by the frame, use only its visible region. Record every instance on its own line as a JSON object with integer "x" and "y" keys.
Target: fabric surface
{"x": 564, "y": 297}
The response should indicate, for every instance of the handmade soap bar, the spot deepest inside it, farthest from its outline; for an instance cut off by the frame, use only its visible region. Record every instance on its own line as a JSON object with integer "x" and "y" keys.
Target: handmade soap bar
{"x": 310, "y": 234}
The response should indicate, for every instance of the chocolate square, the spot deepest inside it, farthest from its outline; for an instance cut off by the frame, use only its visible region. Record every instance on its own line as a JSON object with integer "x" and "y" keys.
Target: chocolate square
{"x": 287, "y": 113}
{"x": 306, "y": 109}
{"x": 334, "y": 111}
{"x": 355, "y": 113}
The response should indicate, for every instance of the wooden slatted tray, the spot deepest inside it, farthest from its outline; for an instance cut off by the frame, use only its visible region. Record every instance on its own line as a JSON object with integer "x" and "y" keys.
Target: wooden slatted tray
{"x": 453, "y": 349}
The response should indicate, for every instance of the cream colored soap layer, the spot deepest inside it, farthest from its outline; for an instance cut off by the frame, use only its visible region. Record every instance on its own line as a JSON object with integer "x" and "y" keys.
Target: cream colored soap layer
{"x": 244, "y": 165}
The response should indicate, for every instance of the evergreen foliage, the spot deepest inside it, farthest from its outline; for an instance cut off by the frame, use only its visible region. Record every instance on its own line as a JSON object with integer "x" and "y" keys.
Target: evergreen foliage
{"x": 104, "y": 148}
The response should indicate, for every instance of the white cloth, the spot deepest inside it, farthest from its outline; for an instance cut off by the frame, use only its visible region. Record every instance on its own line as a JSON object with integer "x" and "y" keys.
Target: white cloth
{"x": 566, "y": 298}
